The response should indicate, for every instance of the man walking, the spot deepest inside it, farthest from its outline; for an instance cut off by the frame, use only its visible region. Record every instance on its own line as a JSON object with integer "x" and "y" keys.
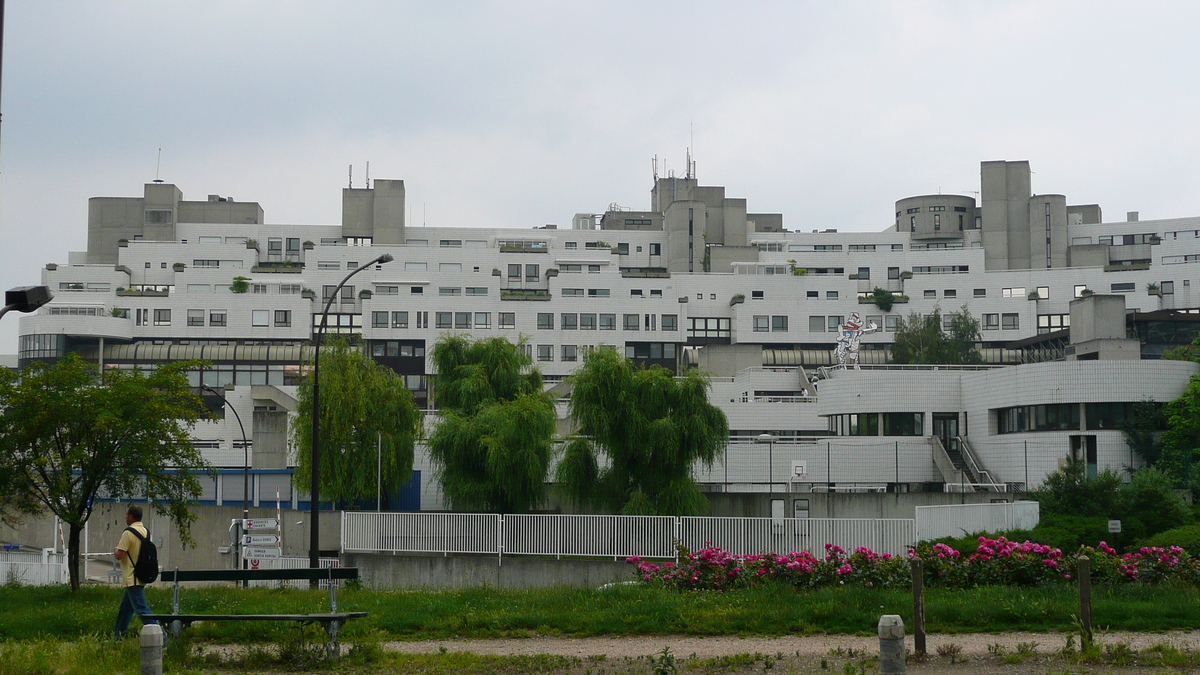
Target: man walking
{"x": 127, "y": 552}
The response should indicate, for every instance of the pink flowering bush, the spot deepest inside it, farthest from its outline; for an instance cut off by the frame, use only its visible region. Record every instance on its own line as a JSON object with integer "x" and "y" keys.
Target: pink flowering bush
{"x": 996, "y": 562}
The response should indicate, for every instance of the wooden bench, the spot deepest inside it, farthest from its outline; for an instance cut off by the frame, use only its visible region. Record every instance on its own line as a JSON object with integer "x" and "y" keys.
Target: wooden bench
{"x": 331, "y": 621}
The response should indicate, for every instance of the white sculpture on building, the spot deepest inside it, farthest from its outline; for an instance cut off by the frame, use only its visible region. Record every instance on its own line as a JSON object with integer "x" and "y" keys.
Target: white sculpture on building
{"x": 849, "y": 336}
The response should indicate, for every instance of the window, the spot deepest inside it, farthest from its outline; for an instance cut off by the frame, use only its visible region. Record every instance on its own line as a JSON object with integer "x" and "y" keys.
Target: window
{"x": 991, "y": 322}
{"x": 1043, "y": 292}
{"x": 568, "y": 321}
{"x": 1127, "y": 287}
{"x": 570, "y": 269}
{"x": 937, "y": 221}
{"x": 450, "y": 243}
{"x": 1167, "y": 287}
{"x": 981, "y": 292}
{"x": 756, "y": 295}
{"x": 507, "y": 319}
{"x": 415, "y": 266}
{"x": 762, "y": 323}
{"x": 294, "y": 289}
{"x": 891, "y": 322}
{"x": 162, "y": 317}
{"x": 834, "y": 322}
{"x": 483, "y": 319}
{"x": 950, "y": 293}
{"x": 216, "y": 317}
{"x": 1048, "y": 417}
{"x": 1016, "y": 292}
{"x": 671, "y": 322}
{"x": 593, "y": 268}
{"x": 477, "y": 290}
{"x": 655, "y": 249}
{"x": 347, "y": 294}
{"x": 587, "y": 322}
{"x": 1079, "y": 289}
{"x": 813, "y": 294}
{"x": 893, "y": 272}
{"x": 571, "y": 244}
{"x": 379, "y": 319}
{"x": 635, "y": 292}
{"x": 1010, "y": 322}
{"x": 195, "y": 317}
{"x": 912, "y": 223}
{"x": 545, "y": 352}
{"x": 531, "y": 272}
{"x": 334, "y": 265}
{"x": 631, "y": 322}
{"x": 572, "y": 292}
{"x": 462, "y": 321}
{"x": 609, "y": 321}
{"x": 656, "y": 293}
{"x": 399, "y": 319}
{"x": 416, "y": 290}
{"x": 206, "y": 263}
{"x": 260, "y": 289}
{"x": 622, "y": 249}
{"x": 864, "y": 273}
{"x": 597, "y": 292}
{"x": 930, "y": 293}
{"x": 779, "y": 324}
{"x": 862, "y": 247}
{"x": 449, "y": 267}
{"x": 158, "y": 216}
{"x": 816, "y": 324}
{"x": 831, "y": 295}
{"x": 514, "y": 271}
{"x": 259, "y": 317}
{"x": 443, "y": 319}
{"x": 545, "y": 321}
{"x": 283, "y": 318}
{"x": 1048, "y": 323}
{"x": 903, "y": 424}
{"x": 570, "y": 353}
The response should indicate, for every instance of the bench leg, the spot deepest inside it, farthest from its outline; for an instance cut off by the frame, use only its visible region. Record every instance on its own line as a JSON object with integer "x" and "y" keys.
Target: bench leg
{"x": 333, "y": 649}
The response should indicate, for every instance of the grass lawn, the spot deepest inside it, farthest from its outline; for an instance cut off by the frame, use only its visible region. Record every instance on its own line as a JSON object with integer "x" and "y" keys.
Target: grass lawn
{"x": 54, "y": 612}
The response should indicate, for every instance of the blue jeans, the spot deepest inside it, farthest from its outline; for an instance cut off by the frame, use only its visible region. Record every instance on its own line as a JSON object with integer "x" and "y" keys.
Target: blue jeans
{"x": 134, "y": 601}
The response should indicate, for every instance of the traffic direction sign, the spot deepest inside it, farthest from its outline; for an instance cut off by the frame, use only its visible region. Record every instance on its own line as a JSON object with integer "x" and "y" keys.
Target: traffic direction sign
{"x": 260, "y": 523}
{"x": 261, "y": 540}
{"x": 263, "y": 553}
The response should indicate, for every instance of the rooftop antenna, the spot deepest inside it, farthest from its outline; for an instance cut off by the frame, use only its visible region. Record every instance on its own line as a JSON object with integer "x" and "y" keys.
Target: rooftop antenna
{"x": 158, "y": 165}
{"x": 351, "y": 186}
{"x": 656, "y": 168}
{"x": 368, "y": 185}
{"x": 422, "y": 214}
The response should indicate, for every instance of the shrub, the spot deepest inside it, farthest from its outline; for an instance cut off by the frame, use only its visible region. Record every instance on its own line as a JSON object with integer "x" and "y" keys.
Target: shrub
{"x": 1186, "y": 537}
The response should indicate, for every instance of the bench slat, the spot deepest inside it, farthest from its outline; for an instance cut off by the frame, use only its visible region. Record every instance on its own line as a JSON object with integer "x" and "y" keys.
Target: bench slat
{"x": 305, "y": 573}
{"x": 340, "y": 616}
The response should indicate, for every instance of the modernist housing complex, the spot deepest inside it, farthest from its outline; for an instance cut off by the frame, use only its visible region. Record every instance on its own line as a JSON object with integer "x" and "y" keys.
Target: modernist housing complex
{"x": 695, "y": 280}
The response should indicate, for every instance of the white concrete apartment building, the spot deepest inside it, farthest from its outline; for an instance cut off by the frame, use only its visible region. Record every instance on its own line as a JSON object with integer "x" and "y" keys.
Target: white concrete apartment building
{"x": 695, "y": 280}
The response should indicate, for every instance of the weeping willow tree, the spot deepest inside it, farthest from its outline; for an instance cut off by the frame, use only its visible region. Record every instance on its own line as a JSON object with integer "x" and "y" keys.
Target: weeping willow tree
{"x": 369, "y": 423}
{"x": 652, "y": 426}
{"x": 494, "y": 442}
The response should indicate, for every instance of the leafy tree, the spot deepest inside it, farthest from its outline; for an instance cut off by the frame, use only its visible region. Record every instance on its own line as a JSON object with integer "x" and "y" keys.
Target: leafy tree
{"x": 1142, "y": 430}
{"x": 68, "y": 436}
{"x": 921, "y": 339}
{"x": 494, "y": 442}
{"x": 368, "y": 418}
{"x": 1181, "y": 440}
{"x": 1071, "y": 491}
{"x": 652, "y": 426}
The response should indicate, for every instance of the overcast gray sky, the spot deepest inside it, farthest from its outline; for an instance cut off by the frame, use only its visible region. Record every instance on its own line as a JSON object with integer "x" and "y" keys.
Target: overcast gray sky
{"x": 518, "y": 114}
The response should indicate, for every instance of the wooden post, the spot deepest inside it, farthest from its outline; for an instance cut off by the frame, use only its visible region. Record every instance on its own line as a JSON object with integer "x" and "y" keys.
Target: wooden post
{"x": 918, "y": 588}
{"x": 1085, "y": 600}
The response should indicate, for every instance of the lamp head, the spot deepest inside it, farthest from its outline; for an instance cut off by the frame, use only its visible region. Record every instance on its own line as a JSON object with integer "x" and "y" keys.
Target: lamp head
{"x": 385, "y": 258}
{"x": 27, "y": 298}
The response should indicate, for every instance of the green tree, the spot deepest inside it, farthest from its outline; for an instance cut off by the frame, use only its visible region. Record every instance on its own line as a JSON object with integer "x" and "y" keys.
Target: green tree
{"x": 68, "y": 436}
{"x": 922, "y": 339}
{"x": 1142, "y": 430}
{"x": 495, "y": 439}
{"x": 652, "y": 426}
{"x": 368, "y": 419}
{"x": 1181, "y": 441}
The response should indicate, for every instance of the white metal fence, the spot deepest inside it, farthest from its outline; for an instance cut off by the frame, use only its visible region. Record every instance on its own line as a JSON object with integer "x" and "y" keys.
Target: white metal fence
{"x": 612, "y": 536}
{"x": 291, "y": 564}
{"x": 783, "y": 535}
{"x": 29, "y": 568}
{"x": 957, "y": 520}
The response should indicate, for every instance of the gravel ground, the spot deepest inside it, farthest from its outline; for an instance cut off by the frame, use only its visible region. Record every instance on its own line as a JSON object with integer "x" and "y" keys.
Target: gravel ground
{"x": 971, "y": 644}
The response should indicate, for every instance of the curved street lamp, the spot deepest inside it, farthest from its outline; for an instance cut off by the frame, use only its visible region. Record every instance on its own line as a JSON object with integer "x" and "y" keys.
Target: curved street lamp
{"x": 245, "y": 450}
{"x": 314, "y": 546}
{"x": 25, "y": 298}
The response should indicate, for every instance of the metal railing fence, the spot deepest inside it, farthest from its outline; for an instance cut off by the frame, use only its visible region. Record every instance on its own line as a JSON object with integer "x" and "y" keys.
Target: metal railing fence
{"x": 957, "y": 520}
{"x": 613, "y": 536}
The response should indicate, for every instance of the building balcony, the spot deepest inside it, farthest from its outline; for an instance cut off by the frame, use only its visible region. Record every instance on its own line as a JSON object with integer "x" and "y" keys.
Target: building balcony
{"x": 108, "y": 327}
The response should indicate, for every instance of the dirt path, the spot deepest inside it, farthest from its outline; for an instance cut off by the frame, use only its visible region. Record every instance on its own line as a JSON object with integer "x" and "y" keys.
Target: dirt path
{"x": 974, "y": 644}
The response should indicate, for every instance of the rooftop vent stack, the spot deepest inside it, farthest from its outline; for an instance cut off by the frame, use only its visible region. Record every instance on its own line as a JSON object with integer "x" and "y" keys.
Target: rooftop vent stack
{"x": 1131, "y": 217}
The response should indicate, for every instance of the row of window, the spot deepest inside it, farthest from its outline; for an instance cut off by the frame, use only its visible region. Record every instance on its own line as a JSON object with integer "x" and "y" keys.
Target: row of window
{"x": 259, "y": 318}
{"x": 869, "y": 424}
{"x": 545, "y": 321}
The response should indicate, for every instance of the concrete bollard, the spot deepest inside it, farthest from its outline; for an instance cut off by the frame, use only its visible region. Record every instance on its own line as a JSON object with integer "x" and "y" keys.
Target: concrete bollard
{"x": 891, "y": 644}
{"x": 152, "y": 649}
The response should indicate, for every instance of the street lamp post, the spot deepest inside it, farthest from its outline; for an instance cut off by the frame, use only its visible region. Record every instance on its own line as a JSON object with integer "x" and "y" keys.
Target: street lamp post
{"x": 770, "y": 441}
{"x": 314, "y": 546}
{"x": 245, "y": 472}
{"x": 25, "y": 298}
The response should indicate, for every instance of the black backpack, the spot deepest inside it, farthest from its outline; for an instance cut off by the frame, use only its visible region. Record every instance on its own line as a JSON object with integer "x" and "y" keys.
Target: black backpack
{"x": 145, "y": 568}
